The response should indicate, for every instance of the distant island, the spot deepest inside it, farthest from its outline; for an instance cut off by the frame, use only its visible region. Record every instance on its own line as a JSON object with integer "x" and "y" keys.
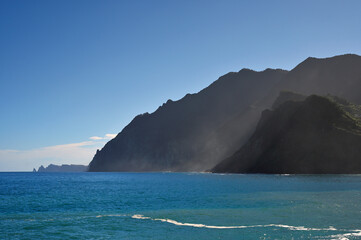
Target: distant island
{"x": 226, "y": 127}
{"x": 62, "y": 168}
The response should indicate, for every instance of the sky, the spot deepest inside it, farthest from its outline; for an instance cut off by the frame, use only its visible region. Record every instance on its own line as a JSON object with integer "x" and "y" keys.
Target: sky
{"x": 73, "y": 74}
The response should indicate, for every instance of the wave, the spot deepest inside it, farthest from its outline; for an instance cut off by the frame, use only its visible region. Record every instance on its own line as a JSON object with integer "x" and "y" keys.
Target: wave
{"x": 345, "y": 236}
{"x": 199, "y": 225}
{"x": 110, "y": 215}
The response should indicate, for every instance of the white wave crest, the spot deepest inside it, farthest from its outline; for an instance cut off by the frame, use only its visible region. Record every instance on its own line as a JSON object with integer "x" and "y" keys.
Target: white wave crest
{"x": 111, "y": 215}
{"x": 345, "y": 236}
{"x": 140, "y": 217}
{"x": 198, "y": 225}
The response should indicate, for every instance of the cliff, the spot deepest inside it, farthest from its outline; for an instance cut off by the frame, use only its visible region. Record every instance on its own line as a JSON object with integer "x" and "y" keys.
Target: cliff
{"x": 316, "y": 136}
{"x": 193, "y": 133}
{"x": 197, "y": 131}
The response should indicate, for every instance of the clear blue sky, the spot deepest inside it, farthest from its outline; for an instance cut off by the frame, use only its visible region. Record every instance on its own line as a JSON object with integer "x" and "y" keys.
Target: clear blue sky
{"x": 71, "y": 70}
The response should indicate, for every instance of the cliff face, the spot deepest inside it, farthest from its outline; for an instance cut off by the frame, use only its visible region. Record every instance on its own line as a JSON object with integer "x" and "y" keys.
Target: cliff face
{"x": 314, "y": 136}
{"x": 193, "y": 133}
{"x": 339, "y": 76}
{"x": 285, "y": 96}
{"x": 196, "y": 132}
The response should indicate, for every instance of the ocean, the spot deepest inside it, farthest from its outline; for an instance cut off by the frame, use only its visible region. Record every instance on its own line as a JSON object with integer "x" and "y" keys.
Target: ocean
{"x": 179, "y": 206}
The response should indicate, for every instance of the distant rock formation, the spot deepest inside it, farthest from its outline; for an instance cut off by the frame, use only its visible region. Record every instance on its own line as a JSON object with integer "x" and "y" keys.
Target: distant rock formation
{"x": 196, "y": 132}
{"x": 316, "y": 136}
{"x": 62, "y": 168}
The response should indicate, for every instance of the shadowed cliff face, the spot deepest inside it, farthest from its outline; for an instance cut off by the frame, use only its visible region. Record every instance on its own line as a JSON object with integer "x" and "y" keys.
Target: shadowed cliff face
{"x": 198, "y": 131}
{"x": 285, "y": 96}
{"x": 314, "y": 136}
{"x": 191, "y": 134}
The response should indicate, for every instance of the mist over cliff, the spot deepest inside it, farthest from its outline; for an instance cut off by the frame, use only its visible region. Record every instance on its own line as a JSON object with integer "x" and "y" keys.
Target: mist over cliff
{"x": 198, "y": 131}
{"x": 191, "y": 134}
{"x": 315, "y": 136}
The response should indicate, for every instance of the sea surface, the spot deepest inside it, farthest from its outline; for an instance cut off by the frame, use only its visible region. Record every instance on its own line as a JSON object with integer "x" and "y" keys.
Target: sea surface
{"x": 179, "y": 206}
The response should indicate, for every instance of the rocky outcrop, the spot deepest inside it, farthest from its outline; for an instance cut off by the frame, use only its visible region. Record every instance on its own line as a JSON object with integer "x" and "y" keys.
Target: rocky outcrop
{"x": 62, "y": 168}
{"x": 316, "y": 136}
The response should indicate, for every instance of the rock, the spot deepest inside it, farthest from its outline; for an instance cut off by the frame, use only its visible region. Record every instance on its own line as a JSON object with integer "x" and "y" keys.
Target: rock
{"x": 315, "y": 136}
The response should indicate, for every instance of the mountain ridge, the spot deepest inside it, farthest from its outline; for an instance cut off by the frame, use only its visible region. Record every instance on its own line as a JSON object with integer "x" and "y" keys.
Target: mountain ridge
{"x": 201, "y": 129}
{"x": 180, "y": 127}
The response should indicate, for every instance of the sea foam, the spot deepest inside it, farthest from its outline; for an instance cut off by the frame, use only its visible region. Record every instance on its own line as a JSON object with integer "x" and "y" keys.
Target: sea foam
{"x": 199, "y": 225}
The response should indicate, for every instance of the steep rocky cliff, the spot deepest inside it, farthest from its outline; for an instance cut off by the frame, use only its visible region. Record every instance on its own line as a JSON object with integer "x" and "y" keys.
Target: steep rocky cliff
{"x": 314, "y": 136}
{"x": 193, "y": 133}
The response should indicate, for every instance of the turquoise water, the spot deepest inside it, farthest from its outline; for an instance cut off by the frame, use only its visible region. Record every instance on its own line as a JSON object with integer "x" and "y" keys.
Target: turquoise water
{"x": 179, "y": 206}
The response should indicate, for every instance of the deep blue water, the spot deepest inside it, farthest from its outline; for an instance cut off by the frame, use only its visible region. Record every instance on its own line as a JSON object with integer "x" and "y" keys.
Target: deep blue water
{"x": 179, "y": 206}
